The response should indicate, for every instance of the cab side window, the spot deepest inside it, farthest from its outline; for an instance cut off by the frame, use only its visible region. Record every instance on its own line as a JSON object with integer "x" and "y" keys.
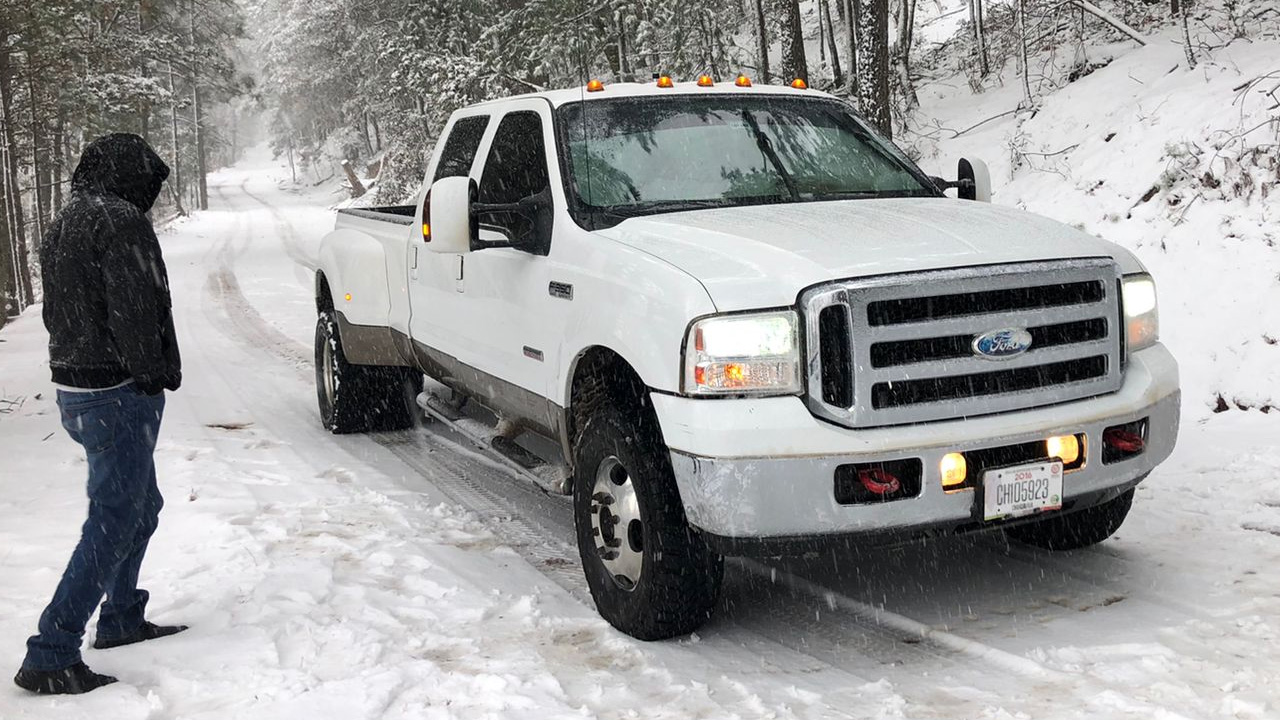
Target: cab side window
{"x": 515, "y": 169}
{"x": 461, "y": 146}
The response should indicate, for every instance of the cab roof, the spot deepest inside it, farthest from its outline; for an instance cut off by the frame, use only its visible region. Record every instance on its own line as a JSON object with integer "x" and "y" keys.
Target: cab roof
{"x": 650, "y": 89}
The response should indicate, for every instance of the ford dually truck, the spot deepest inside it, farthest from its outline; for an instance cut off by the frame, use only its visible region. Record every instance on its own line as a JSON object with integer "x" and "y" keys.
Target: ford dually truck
{"x": 749, "y": 323}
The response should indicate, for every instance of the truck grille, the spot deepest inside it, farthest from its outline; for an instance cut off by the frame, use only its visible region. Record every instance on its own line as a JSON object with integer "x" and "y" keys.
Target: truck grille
{"x": 899, "y": 349}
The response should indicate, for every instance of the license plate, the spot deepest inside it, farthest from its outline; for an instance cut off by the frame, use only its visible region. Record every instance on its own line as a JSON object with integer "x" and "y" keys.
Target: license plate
{"x": 1023, "y": 490}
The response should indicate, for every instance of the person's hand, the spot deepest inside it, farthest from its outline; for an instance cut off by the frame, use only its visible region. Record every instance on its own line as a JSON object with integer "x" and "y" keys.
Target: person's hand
{"x": 148, "y": 386}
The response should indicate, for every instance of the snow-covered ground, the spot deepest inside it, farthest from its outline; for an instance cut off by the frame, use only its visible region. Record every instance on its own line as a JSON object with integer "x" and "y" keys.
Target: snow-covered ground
{"x": 407, "y": 575}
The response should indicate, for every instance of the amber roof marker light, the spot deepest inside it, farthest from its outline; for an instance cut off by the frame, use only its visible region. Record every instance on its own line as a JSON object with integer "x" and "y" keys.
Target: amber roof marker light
{"x": 705, "y": 81}
{"x": 799, "y": 84}
{"x": 595, "y": 86}
{"x": 742, "y": 81}
{"x": 664, "y": 81}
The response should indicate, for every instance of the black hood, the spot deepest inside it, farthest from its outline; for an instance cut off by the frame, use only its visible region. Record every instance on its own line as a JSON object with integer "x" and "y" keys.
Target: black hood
{"x": 124, "y": 165}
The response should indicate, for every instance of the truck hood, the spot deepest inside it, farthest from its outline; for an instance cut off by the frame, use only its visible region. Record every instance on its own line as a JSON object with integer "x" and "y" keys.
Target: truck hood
{"x": 765, "y": 255}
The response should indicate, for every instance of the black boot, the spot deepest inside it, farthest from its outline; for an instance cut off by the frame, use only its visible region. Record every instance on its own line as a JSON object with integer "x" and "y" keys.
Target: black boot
{"x": 72, "y": 680}
{"x": 148, "y": 631}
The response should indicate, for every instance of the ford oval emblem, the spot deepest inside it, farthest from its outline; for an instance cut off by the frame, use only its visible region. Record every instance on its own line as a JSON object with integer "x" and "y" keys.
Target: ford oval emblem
{"x": 1000, "y": 344}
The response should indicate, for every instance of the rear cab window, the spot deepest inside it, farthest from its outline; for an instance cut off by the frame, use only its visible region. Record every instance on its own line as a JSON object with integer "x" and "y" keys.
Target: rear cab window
{"x": 460, "y": 147}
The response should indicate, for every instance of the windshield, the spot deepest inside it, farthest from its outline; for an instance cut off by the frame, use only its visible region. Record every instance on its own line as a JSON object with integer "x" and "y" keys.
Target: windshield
{"x": 637, "y": 156}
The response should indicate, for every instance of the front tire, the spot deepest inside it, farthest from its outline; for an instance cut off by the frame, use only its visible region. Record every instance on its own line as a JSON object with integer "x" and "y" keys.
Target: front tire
{"x": 360, "y": 398}
{"x": 1076, "y": 530}
{"x": 651, "y": 575}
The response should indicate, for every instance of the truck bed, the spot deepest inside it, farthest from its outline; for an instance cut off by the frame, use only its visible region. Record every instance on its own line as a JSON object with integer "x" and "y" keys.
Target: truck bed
{"x": 398, "y": 214}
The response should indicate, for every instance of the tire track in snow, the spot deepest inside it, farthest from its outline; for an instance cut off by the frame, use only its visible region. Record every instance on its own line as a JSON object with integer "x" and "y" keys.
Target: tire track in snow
{"x": 284, "y": 230}
{"x": 239, "y": 319}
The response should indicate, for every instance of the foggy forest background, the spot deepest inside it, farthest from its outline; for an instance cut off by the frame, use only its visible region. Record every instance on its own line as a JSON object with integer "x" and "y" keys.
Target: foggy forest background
{"x": 371, "y": 82}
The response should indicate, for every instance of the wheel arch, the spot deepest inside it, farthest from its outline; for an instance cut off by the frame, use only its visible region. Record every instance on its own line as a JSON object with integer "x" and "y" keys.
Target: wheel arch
{"x": 324, "y": 295}
{"x": 353, "y": 269}
{"x": 599, "y": 374}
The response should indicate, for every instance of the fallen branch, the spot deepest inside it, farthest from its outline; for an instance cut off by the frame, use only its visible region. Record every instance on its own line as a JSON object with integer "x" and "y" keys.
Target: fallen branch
{"x": 984, "y": 122}
{"x": 1110, "y": 19}
{"x": 1066, "y": 149}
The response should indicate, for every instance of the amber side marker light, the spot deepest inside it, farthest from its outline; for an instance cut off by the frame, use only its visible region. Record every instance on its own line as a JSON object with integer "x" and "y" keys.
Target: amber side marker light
{"x": 742, "y": 81}
{"x": 799, "y": 84}
{"x": 595, "y": 86}
{"x": 426, "y": 232}
{"x": 665, "y": 82}
{"x": 954, "y": 469}
{"x": 348, "y": 297}
{"x": 1064, "y": 447}
{"x": 705, "y": 81}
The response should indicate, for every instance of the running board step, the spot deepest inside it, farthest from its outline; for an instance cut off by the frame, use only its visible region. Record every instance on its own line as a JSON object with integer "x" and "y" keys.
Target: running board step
{"x": 516, "y": 454}
{"x": 551, "y": 478}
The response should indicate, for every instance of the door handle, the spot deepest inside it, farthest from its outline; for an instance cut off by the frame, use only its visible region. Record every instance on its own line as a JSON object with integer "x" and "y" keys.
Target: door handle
{"x": 461, "y": 273}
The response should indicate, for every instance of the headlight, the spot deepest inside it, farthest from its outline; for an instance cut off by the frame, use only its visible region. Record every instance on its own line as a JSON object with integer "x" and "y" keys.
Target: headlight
{"x": 756, "y": 354}
{"x": 1141, "y": 318}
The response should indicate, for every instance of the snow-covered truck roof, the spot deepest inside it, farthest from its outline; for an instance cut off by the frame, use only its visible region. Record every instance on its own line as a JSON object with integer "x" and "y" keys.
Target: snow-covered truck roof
{"x": 614, "y": 91}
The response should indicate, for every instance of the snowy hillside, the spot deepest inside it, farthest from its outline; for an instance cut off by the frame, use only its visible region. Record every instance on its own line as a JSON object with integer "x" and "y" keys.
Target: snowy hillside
{"x": 1181, "y": 166}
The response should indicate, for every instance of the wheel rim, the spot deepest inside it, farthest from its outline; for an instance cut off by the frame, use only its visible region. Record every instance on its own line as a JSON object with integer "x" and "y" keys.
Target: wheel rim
{"x": 616, "y": 525}
{"x": 330, "y": 381}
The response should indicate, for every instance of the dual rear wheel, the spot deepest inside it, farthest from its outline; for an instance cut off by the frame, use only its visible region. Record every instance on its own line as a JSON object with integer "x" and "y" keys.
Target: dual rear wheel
{"x": 360, "y": 398}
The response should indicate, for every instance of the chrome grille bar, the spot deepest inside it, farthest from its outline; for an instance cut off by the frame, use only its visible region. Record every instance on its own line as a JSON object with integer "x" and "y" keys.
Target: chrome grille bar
{"x": 929, "y": 314}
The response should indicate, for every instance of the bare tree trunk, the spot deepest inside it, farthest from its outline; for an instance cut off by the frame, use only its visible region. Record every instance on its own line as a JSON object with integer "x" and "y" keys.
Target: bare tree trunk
{"x": 836, "y": 71}
{"x": 59, "y": 159}
{"x": 8, "y": 279}
{"x": 177, "y": 149}
{"x": 144, "y": 109}
{"x": 979, "y": 37}
{"x": 202, "y": 180}
{"x": 762, "y": 44}
{"x": 851, "y": 44}
{"x": 873, "y": 64}
{"x": 1024, "y": 56}
{"x": 17, "y": 221}
{"x": 822, "y": 34}
{"x": 38, "y": 173}
{"x": 794, "y": 63}
{"x": 906, "y": 30}
{"x": 1183, "y": 9}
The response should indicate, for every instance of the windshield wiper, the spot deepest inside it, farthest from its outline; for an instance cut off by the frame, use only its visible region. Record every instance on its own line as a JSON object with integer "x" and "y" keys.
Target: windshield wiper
{"x": 662, "y": 206}
{"x": 766, "y": 149}
{"x": 841, "y": 194}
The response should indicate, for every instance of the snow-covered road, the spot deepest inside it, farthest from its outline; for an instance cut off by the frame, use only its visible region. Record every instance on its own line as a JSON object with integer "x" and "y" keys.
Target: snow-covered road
{"x": 409, "y": 575}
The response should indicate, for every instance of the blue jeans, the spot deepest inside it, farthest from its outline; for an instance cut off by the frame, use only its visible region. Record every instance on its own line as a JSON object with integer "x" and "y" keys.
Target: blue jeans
{"x": 118, "y": 430}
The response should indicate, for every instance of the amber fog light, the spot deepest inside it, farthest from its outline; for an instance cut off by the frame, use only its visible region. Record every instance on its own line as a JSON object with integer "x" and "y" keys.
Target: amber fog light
{"x": 1067, "y": 448}
{"x": 954, "y": 469}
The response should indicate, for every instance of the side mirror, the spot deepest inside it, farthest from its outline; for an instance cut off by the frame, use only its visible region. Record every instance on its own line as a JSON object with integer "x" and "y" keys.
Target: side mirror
{"x": 973, "y": 180}
{"x": 537, "y": 210}
{"x": 449, "y": 226}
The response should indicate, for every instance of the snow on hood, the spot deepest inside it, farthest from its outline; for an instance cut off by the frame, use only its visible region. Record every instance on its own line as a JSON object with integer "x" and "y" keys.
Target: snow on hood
{"x": 763, "y": 256}
{"x": 124, "y": 165}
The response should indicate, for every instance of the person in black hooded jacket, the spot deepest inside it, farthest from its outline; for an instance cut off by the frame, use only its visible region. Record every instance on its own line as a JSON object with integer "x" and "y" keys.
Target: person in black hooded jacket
{"x": 112, "y": 353}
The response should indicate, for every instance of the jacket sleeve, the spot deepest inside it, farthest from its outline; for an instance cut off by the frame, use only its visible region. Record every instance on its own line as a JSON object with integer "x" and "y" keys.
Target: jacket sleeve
{"x": 133, "y": 278}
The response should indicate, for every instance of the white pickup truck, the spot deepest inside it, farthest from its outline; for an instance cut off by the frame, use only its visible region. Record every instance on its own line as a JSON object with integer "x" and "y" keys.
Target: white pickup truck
{"x": 749, "y": 324}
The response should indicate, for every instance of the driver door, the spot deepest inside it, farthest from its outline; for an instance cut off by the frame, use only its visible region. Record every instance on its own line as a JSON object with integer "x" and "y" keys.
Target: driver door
{"x": 506, "y": 326}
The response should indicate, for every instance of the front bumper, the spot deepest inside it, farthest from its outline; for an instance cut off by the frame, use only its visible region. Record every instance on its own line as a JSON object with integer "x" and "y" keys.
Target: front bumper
{"x": 756, "y": 469}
